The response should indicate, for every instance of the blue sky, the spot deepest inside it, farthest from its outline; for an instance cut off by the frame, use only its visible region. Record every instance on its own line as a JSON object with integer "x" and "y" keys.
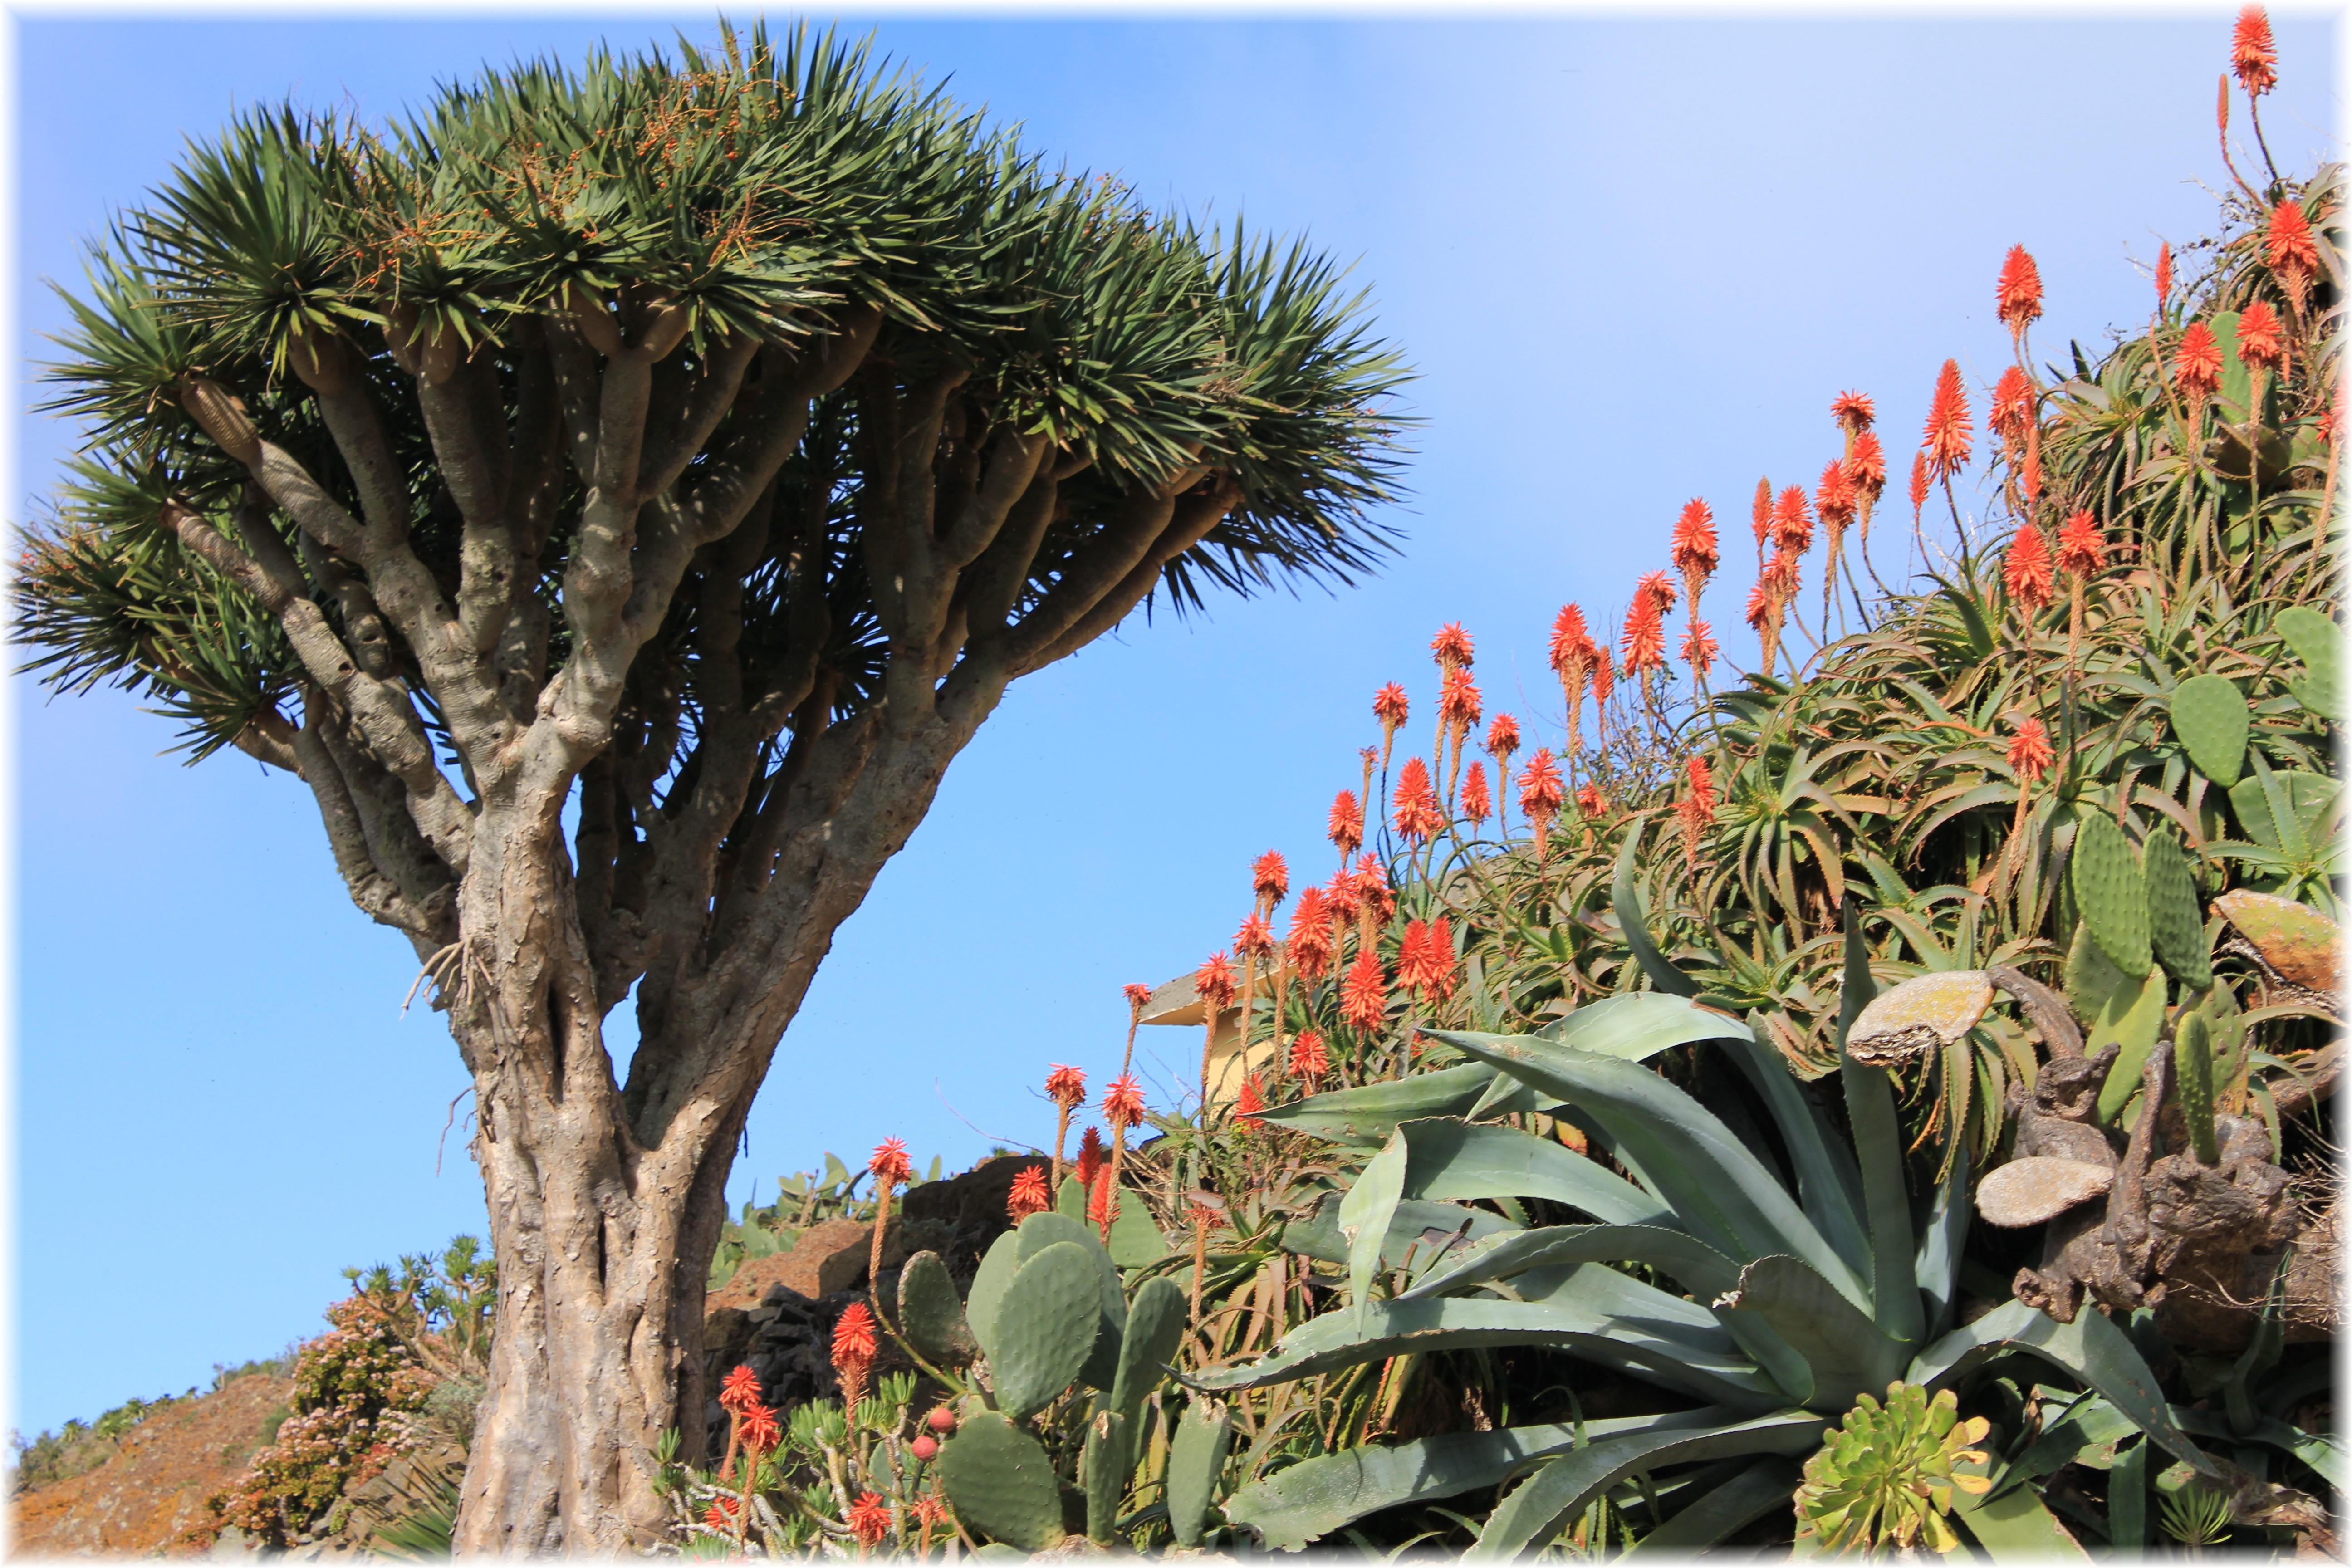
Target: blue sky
{"x": 1632, "y": 261}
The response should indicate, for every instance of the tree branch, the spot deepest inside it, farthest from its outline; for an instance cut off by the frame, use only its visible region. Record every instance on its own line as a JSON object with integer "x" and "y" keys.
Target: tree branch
{"x": 709, "y": 394}
{"x": 429, "y": 923}
{"x": 1010, "y": 468}
{"x": 579, "y": 703}
{"x": 1195, "y": 515}
{"x": 270, "y": 740}
{"x": 387, "y": 721}
{"x": 1124, "y": 542}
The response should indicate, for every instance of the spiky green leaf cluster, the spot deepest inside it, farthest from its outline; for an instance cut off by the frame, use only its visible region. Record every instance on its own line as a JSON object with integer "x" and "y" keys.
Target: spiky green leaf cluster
{"x": 762, "y": 189}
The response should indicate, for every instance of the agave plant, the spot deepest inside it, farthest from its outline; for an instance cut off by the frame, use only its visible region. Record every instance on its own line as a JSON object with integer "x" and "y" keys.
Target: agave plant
{"x": 1785, "y": 1297}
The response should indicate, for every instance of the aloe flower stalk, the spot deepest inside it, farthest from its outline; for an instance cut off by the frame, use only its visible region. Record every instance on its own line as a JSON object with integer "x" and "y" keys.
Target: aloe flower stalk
{"x": 890, "y": 1166}
{"x": 1502, "y": 740}
{"x": 1215, "y": 985}
{"x": 1067, "y": 1088}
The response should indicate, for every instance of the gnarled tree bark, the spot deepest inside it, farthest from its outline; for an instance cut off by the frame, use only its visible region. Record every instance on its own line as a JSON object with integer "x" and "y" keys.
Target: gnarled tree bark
{"x": 717, "y": 851}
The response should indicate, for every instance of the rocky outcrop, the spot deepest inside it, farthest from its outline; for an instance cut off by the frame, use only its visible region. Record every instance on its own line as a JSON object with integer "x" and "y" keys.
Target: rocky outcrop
{"x": 776, "y": 1314}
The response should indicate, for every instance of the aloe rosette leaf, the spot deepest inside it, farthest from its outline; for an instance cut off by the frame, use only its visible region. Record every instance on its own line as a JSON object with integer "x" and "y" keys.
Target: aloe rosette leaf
{"x": 2091, "y": 1349}
{"x": 1317, "y": 1234}
{"x": 1715, "y": 1185}
{"x": 1756, "y": 1490}
{"x": 1294, "y": 1507}
{"x": 1604, "y": 1316}
{"x": 1786, "y": 1319}
{"x": 1536, "y": 1508}
{"x": 1363, "y": 1117}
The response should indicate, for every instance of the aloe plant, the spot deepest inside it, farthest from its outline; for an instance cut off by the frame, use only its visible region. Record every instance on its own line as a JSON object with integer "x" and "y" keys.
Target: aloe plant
{"x": 1790, "y": 1298}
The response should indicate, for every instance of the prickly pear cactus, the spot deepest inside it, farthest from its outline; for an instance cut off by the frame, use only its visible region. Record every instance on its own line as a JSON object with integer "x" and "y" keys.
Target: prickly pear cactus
{"x": 1048, "y": 1310}
{"x": 1044, "y": 1330}
{"x": 2210, "y": 718}
{"x": 2132, "y": 1019}
{"x": 2319, "y": 642}
{"x": 1105, "y": 1474}
{"x": 2192, "y": 1065}
{"x": 1886, "y": 1477}
{"x": 1155, "y": 1327}
{"x": 2091, "y": 979}
{"x": 2176, "y": 928}
{"x": 929, "y": 1314}
{"x": 997, "y": 1267}
{"x": 2112, "y": 893}
{"x": 1001, "y": 1484}
{"x": 1195, "y": 1459}
{"x": 1042, "y": 1230}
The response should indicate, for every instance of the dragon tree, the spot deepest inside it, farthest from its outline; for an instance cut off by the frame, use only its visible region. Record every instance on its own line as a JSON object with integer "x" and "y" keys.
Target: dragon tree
{"x": 691, "y": 452}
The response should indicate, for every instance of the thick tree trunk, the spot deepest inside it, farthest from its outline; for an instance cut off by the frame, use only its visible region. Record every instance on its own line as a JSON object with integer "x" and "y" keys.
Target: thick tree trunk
{"x": 606, "y": 1207}
{"x": 600, "y": 1286}
{"x": 597, "y": 1351}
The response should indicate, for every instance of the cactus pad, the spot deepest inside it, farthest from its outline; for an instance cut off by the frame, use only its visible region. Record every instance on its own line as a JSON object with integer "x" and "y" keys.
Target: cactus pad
{"x": 1040, "y": 1231}
{"x": 929, "y": 1312}
{"x": 1135, "y": 1241}
{"x": 2176, "y": 931}
{"x": 2113, "y": 893}
{"x": 1045, "y": 1329}
{"x": 2319, "y": 642}
{"x": 996, "y": 1271}
{"x": 2090, "y": 978}
{"x": 1002, "y": 1483}
{"x": 2295, "y": 940}
{"x": 2211, "y": 719}
{"x": 1195, "y": 1459}
{"x": 2133, "y": 1018}
{"x": 1107, "y": 1469}
{"x": 2192, "y": 1072}
{"x": 1155, "y": 1327}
